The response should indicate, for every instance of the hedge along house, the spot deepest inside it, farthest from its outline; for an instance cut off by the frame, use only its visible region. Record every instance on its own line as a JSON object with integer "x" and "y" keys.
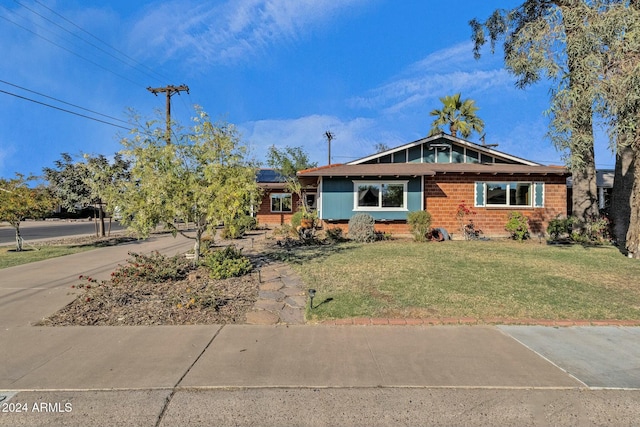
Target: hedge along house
{"x": 278, "y": 204}
{"x": 438, "y": 174}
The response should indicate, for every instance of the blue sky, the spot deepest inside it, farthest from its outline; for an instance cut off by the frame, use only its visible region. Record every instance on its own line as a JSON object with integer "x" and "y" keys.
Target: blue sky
{"x": 283, "y": 71}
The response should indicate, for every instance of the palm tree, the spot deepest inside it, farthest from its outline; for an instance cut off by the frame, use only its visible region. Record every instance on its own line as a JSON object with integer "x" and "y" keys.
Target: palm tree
{"x": 459, "y": 114}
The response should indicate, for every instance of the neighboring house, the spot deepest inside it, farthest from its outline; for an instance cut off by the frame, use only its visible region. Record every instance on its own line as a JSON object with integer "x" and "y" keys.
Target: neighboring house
{"x": 604, "y": 183}
{"x": 437, "y": 174}
{"x": 278, "y": 204}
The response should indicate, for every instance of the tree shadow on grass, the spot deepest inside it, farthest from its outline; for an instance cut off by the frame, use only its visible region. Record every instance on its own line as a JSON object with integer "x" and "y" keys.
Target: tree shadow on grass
{"x": 301, "y": 254}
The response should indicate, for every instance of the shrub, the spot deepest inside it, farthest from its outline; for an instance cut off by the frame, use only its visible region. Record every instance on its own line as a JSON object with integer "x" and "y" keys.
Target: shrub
{"x": 518, "y": 226}
{"x": 227, "y": 262}
{"x": 419, "y": 225}
{"x": 296, "y": 219}
{"x": 559, "y": 227}
{"x": 153, "y": 268}
{"x": 236, "y": 228}
{"x": 334, "y": 235}
{"x": 361, "y": 228}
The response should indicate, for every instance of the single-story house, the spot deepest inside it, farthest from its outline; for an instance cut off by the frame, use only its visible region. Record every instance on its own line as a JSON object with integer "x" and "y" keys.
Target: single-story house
{"x": 436, "y": 174}
{"x": 278, "y": 204}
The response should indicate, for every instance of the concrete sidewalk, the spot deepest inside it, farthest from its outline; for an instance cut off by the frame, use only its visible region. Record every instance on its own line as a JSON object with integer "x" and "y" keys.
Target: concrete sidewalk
{"x": 274, "y": 375}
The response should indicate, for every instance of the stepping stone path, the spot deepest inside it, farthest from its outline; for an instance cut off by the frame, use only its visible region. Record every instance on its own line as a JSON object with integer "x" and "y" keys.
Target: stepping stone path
{"x": 282, "y": 296}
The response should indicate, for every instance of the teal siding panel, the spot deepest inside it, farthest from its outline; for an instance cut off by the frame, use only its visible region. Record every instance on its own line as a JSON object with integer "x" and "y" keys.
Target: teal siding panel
{"x": 337, "y": 199}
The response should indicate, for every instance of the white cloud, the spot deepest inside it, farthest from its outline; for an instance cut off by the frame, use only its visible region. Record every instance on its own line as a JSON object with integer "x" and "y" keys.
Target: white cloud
{"x": 441, "y": 73}
{"x": 231, "y": 31}
{"x": 352, "y": 139}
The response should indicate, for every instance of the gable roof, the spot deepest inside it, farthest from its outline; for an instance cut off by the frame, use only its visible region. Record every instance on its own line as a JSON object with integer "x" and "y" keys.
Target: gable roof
{"x": 484, "y": 149}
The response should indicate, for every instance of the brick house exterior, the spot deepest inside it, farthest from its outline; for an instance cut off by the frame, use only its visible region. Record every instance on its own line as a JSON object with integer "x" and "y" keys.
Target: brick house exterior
{"x": 437, "y": 174}
{"x": 278, "y": 204}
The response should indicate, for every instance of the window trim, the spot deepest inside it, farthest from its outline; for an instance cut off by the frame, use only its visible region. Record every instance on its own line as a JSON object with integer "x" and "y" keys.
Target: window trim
{"x": 379, "y": 208}
{"x": 280, "y": 196}
{"x": 537, "y": 189}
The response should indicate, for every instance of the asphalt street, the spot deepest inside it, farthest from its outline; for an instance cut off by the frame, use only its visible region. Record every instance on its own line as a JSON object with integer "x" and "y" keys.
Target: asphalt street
{"x": 32, "y": 231}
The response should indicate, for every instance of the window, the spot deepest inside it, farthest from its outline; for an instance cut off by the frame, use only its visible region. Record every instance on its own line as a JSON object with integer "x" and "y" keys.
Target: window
{"x": 380, "y": 195}
{"x": 281, "y": 202}
{"x": 509, "y": 194}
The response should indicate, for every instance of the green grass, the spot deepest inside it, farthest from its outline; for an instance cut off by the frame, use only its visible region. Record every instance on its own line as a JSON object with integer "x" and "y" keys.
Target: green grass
{"x": 482, "y": 280}
{"x": 9, "y": 257}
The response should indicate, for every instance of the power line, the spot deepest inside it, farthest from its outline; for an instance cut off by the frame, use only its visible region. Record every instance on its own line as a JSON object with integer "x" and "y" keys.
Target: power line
{"x": 71, "y": 52}
{"x": 136, "y": 64}
{"x": 63, "y": 102}
{"x": 64, "y": 110}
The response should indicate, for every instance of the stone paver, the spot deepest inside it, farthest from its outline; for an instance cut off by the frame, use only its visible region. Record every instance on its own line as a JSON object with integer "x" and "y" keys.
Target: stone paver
{"x": 281, "y": 295}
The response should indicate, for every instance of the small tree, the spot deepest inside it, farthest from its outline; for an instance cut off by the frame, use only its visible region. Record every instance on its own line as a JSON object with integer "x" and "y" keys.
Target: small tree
{"x": 287, "y": 162}
{"x": 18, "y": 202}
{"x": 201, "y": 178}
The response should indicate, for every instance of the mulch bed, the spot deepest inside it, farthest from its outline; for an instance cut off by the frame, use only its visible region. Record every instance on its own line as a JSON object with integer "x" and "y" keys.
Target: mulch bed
{"x": 197, "y": 300}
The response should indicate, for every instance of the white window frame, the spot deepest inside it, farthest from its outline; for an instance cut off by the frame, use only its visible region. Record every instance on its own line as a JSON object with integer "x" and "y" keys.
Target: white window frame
{"x": 379, "y": 208}
{"x": 280, "y": 196}
{"x": 508, "y": 205}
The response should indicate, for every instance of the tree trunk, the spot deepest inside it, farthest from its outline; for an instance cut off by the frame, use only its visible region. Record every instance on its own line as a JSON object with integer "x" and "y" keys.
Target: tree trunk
{"x": 101, "y": 217}
{"x": 633, "y": 234}
{"x": 197, "y": 244}
{"x": 583, "y": 165}
{"x": 621, "y": 195}
{"x": 18, "y": 237}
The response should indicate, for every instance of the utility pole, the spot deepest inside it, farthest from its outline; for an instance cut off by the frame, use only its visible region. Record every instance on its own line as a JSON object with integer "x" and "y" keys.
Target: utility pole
{"x": 169, "y": 90}
{"x": 329, "y": 137}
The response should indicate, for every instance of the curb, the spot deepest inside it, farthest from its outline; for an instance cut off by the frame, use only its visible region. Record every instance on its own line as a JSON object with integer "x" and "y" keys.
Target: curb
{"x": 376, "y": 321}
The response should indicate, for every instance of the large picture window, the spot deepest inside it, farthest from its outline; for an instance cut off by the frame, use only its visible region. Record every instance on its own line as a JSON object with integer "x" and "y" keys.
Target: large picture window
{"x": 281, "y": 202}
{"x": 372, "y": 195}
{"x": 509, "y": 194}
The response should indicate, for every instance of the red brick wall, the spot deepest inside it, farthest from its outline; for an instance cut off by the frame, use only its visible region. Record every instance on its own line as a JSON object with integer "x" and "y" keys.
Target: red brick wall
{"x": 444, "y": 193}
{"x": 266, "y": 217}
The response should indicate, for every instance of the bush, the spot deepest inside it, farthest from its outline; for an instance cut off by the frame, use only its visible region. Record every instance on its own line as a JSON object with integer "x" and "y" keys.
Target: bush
{"x": 226, "y": 263}
{"x": 559, "y": 227}
{"x": 361, "y": 228}
{"x": 334, "y": 235}
{"x": 154, "y": 268}
{"x": 518, "y": 226}
{"x": 236, "y": 228}
{"x": 419, "y": 225}
{"x": 296, "y": 219}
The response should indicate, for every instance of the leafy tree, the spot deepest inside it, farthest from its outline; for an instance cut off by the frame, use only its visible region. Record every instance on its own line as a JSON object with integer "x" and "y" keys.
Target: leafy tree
{"x": 18, "y": 202}
{"x": 69, "y": 183}
{"x": 106, "y": 181}
{"x": 78, "y": 184}
{"x": 619, "y": 31}
{"x": 554, "y": 38}
{"x": 201, "y": 178}
{"x": 287, "y": 162}
{"x": 459, "y": 115}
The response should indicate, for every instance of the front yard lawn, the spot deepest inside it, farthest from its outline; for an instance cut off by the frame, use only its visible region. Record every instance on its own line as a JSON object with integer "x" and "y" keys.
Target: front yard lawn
{"x": 485, "y": 280}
